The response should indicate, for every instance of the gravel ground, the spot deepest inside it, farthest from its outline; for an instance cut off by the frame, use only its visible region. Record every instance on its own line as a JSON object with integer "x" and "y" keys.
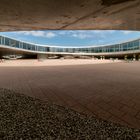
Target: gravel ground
{"x": 26, "y": 118}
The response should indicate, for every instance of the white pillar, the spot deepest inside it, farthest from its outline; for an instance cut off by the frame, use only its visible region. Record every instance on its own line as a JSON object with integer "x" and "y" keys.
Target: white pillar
{"x": 134, "y": 57}
{"x": 42, "y": 56}
{"x": 125, "y": 57}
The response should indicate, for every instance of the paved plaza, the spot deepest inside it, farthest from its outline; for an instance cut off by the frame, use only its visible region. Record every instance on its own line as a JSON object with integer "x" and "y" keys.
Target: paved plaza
{"x": 107, "y": 90}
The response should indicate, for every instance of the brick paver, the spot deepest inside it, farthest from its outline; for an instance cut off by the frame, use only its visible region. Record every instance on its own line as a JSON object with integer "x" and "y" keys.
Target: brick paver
{"x": 109, "y": 91}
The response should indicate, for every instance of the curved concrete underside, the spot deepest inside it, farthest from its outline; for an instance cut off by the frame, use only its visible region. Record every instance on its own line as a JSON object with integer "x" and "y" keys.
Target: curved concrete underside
{"x": 5, "y": 50}
{"x": 70, "y": 14}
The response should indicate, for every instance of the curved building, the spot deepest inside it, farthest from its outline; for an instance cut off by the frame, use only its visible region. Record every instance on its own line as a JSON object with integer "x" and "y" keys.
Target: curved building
{"x": 9, "y": 46}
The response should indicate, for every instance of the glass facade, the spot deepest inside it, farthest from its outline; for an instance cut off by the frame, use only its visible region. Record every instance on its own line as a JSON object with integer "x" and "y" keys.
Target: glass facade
{"x": 127, "y": 46}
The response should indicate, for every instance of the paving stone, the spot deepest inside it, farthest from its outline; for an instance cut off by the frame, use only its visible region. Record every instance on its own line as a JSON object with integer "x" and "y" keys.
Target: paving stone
{"x": 26, "y": 118}
{"x": 107, "y": 86}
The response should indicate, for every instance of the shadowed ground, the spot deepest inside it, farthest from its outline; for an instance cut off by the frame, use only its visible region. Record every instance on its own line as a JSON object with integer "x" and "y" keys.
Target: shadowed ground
{"x": 23, "y": 117}
{"x": 108, "y": 91}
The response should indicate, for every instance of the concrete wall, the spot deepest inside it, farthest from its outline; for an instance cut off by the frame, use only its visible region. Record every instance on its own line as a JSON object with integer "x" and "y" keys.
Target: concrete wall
{"x": 69, "y": 14}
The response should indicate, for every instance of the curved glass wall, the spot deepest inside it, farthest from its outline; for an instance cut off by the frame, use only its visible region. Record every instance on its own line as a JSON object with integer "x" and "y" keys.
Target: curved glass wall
{"x": 127, "y": 46}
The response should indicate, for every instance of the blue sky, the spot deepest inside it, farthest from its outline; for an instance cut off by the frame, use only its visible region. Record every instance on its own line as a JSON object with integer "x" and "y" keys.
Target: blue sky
{"x": 74, "y": 37}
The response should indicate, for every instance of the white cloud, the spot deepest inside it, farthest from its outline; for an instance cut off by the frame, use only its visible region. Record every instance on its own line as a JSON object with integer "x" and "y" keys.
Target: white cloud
{"x": 103, "y": 31}
{"x": 126, "y": 32}
{"x": 82, "y": 35}
{"x": 50, "y": 34}
{"x": 62, "y": 32}
{"x": 97, "y": 31}
{"x": 38, "y": 33}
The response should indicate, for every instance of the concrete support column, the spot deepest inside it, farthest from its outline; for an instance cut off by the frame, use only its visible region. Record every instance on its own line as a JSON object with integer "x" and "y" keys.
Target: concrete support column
{"x": 42, "y": 56}
{"x": 139, "y": 57}
{"x": 125, "y": 57}
{"x": 134, "y": 57}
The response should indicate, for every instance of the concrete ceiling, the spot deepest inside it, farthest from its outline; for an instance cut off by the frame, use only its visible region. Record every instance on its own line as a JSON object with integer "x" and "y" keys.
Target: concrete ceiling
{"x": 69, "y": 14}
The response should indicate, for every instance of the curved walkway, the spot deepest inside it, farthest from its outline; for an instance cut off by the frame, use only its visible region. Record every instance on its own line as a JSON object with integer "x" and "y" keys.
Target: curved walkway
{"x": 109, "y": 91}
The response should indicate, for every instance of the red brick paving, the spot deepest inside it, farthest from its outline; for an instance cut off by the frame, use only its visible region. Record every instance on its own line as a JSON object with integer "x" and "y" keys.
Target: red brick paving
{"x": 109, "y": 91}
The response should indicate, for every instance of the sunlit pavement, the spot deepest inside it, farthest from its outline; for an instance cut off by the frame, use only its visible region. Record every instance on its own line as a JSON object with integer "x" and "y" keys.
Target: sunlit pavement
{"x": 53, "y": 62}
